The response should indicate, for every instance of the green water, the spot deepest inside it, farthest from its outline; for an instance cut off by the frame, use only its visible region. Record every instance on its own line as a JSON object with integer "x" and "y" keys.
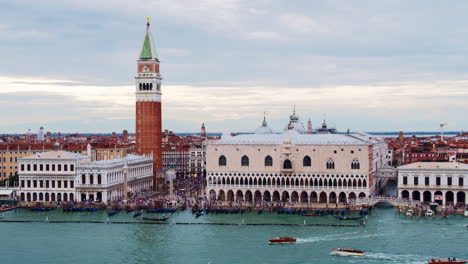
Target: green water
{"x": 386, "y": 238}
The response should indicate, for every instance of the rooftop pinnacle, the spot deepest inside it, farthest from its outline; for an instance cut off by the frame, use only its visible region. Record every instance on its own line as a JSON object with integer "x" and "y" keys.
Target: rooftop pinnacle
{"x": 148, "y": 51}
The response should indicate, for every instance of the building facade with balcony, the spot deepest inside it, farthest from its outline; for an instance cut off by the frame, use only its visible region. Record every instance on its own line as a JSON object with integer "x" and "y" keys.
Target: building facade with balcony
{"x": 441, "y": 182}
{"x": 104, "y": 180}
{"x": 293, "y": 166}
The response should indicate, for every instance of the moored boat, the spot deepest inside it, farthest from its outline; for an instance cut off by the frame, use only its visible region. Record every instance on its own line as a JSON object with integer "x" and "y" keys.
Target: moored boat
{"x": 429, "y": 213}
{"x": 410, "y": 212}
{"x": 348, "y": 217}
{"x": 137, "y": 214}
{"x": 282, "y": 240}
{"x": 156, "y": 218}
{"x": 348, "y": 252}
{"x": 198, "y": 214}
{"x": 111, "y": 213}
{"x": 447, "y": 261}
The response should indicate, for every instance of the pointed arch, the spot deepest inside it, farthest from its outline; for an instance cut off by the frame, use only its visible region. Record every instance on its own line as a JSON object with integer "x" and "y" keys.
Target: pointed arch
{"x": 287, "y": 164}
{"x": 268, "y": 161}
{"x": 306, "y": 161}
{"x": 245, "y": 161}
{"x": 222, "y": 161}
{"x": 355, "y": 164}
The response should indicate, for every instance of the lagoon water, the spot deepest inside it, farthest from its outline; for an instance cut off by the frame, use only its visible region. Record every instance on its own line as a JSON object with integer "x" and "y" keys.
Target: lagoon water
{"x": 387, "y": 239}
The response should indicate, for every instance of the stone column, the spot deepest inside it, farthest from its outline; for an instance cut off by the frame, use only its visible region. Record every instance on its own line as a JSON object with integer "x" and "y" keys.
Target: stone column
{"x": 125, "y": 183}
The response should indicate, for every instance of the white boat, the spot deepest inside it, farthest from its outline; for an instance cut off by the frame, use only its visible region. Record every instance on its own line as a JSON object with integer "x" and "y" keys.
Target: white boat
{"x": 409, "y": 212}
{"x": 429, "y": 213}
{"x": 348, "y": 252}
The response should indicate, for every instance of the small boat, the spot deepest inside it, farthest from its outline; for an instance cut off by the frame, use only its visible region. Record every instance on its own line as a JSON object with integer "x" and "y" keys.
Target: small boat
{"x": 198, "y": 214}
{"x": 137, "y": 213}
{"x": 429, "y": 213}
{"x": 347, "y": 252}
{"x": 260, "y": 212}
{"x": 282, "y": 240}
{"x": 111, "y": 213}
{"x": 156, "y": 218}
{"x": 348, "y": 217}
{"x": 410, "y": 212}
{"x": 447, "y": 261}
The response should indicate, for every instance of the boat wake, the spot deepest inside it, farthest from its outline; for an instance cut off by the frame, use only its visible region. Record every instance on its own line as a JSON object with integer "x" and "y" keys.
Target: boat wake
{"x": 414, "y": 259}
{"x": 345, "y": 236}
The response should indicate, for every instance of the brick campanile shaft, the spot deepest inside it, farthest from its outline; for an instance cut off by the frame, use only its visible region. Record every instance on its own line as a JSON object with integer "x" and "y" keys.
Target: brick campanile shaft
{"x": 148, "y": 105}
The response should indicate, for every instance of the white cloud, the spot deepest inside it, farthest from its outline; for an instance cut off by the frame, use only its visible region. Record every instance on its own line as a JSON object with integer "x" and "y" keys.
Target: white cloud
{"x": 195, "y": 105}
{"x": 264, "y": 35}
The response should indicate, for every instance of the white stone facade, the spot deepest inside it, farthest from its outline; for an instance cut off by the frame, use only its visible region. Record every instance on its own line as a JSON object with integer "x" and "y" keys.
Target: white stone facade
{"x": 49, "y": 176}
{"x": 293, "y": 166}
{"x": 104, "y": 180}
{"x": 65, "y": 176}
{"x": 441, "y": 182}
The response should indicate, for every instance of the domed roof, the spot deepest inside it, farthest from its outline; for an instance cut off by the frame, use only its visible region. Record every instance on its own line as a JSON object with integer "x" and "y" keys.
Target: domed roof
{"x": 294, "y": 124}
{"x": 264, "y": 129}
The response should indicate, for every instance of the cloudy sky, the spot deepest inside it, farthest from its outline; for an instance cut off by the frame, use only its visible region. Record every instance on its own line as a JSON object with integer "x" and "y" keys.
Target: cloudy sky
{"x": 366, "y": 65}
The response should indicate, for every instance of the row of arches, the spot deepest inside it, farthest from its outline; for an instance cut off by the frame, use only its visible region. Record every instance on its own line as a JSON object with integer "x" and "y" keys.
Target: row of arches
{"x": 287, "y": 164}
{"x": 145, "y": 87}
{"x": 448, "y": 197}
{"x": 288, "y": 181}
{"x": 284, "y": 196}
{"x": 46, "y": 197}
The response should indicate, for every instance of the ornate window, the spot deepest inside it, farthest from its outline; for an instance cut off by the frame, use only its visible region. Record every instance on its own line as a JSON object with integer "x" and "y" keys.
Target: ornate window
{"x": 268, "y": 161}
{"x": 306, "y": 162}
{"x": 245, "y": 161}
{"x": 287, "y": 164}
{"x": 222, "y": 161}
{"x": 355, "y": 165}
{"x": 330, "y": 164}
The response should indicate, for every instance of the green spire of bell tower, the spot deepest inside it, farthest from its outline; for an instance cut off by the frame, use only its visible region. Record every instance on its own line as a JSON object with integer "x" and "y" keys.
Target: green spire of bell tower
{"x": 148, "y": 51}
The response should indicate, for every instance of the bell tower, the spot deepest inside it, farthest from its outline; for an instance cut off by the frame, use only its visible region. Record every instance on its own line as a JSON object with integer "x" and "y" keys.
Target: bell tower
{"x": 148, "y": 104}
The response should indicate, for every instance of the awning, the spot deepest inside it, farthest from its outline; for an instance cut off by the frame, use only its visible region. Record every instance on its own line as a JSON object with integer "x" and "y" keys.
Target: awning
{"x": 6, "y": 192}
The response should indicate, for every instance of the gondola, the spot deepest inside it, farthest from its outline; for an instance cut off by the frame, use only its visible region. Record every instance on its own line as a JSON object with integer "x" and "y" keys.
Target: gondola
{"x": 348, "y": 217}
{"x": 111, "y": 213}
{"x": 155, "y": 218}
{"x": 198, "y": 214}
{"x": 136, "y": 214}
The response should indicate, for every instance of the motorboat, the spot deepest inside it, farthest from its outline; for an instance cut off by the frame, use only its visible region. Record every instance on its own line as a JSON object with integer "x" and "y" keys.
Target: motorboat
{"x": 348, "y": 252}
{"x": 156, "y": 218}
{"x": 282, "y": 240}
{"x": 429, "y": 213}
{"x": 348, "y": 217}
{"x": 447, "y": 261}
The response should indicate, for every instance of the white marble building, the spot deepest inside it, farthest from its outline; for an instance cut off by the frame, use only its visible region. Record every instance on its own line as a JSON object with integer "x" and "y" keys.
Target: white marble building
{"x": 49, "y": 176}
{"x": 441, "y": 182}
{"x": 104, "y": 180}
{"x": 65, "y": 176}
{"x": 294, "y": 165}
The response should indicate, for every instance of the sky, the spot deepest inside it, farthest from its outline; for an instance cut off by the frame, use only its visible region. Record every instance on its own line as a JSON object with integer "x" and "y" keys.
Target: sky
{"x": 363, "y": 65}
